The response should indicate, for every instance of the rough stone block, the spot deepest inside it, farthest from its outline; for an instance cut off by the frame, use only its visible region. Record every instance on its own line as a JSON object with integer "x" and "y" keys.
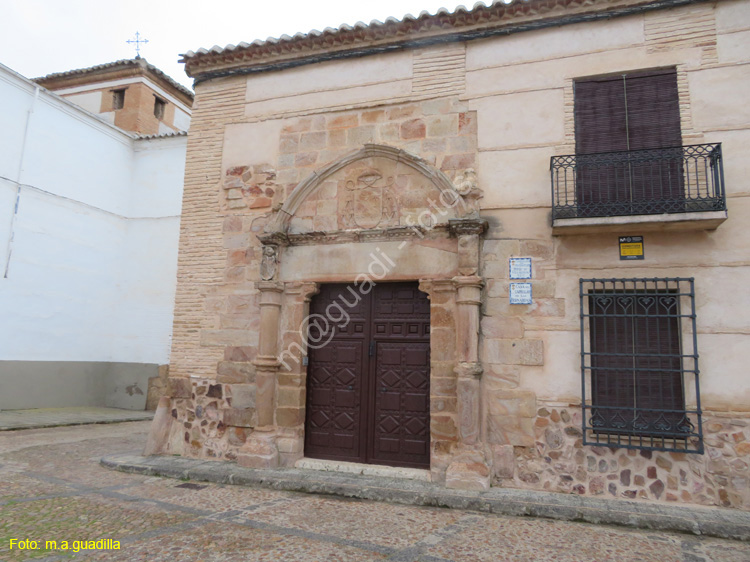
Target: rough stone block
{"x": 235, "y": 372}
{"x": 312, "y": 141}
{"x": 443, "y": 427}
{"x": 361, "y": 135}
{"x": 259, "y": 451}
{"x": 512, "y": 403}
{"x": 538, "y": 249}
{"x": 413, "y": 129}
{"x": 503, "y": 461}
{"x": 224, "y": 338}
{"x": 442, "y": 125}
{"x": 510, "y": 430}
{"x": 236, "y": 436}
{"x": 443, "y": 386}
{"x": 290, "y": 444}
{"x": 242, "y": 395}
{"x": 305, "y": 158}
{"x": 179, "y": 387}
{"x": 468, "y": 471}
{"x": 160, "y": 429}
{"x": 290, "y": 397}
{"x": 375, "y": 116}
{"x": 502, "y": 327}
{"x": 343, "y": 121}
{"x": 514, "y": 352}
{"x": 290, "y": 417}
{"x": 502, "y": 376}
{"x": 458, "y": 161}
{"x": 240, "y": 417}
{"x": 402, "y": 112}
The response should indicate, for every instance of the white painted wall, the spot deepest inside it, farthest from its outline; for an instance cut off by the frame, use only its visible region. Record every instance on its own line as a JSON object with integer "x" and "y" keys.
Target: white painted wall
{"x": 93, "y": 266}
{"x": 90, "y": 101}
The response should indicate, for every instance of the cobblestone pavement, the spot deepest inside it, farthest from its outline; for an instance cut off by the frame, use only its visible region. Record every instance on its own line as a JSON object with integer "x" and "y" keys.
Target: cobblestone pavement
{"x": 52, "y": 488}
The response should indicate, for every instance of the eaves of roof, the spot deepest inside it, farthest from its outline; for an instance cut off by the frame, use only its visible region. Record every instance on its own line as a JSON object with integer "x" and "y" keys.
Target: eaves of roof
{"x": 360, "y": 39}
{"x": 162, "y": 135}
{"x": 50, "y": 79}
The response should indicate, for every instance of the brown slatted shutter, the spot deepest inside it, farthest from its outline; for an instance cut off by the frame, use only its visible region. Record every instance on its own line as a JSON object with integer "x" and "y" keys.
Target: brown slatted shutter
{"x": 654, "y": 122}
{"x": 653, "y": 110}
{"x": 635, "y": 363}
{"x": 600, "y": 118}
{"x": 628, "y": 112}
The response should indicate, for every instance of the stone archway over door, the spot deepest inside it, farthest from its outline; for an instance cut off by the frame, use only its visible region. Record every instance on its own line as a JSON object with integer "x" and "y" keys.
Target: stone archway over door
{"x": 426, "y": 228}
{"x": 368, "y": 387}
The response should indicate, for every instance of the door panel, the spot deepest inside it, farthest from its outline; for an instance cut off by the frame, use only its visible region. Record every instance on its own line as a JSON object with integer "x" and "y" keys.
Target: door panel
{"x": 401, "y": 428}
{"x": 368, "y": 388}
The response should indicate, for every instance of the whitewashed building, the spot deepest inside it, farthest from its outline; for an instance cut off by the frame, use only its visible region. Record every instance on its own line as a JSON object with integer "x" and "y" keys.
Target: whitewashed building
{"x": 89, "y": 223}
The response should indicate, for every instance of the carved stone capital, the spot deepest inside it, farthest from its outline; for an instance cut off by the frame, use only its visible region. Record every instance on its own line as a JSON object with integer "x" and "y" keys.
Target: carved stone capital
{"x": 469, "y": 289}
{"x": 305, "y": 290}
{"x": 267, "y": 364}
{"x": 469, "y": 370}
{"x": 270, "y": 292}
{"x": 462, "y": 227}
{"x": 274, "y": 239}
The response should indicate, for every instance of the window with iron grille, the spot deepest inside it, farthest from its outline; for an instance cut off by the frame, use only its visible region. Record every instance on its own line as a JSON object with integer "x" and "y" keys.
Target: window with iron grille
{"x": 639, "y": 374}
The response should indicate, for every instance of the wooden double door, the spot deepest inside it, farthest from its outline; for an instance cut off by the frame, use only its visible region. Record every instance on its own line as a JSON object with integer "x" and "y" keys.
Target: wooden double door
{"x": 368, "y": 378}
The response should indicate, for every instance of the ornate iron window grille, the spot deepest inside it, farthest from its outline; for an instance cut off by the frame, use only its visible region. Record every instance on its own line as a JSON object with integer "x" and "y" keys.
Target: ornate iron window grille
{"x": 639, "y": 376}
{"x": 681, "y": 179}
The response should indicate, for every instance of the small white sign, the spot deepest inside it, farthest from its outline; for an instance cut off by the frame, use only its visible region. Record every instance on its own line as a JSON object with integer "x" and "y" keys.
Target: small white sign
{"x": 520, "y": 268}
{"x": 520, "y": 293}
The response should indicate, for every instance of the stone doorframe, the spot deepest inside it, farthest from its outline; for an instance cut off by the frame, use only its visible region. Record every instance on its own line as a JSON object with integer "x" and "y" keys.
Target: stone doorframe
{"x": 457, "y": 455}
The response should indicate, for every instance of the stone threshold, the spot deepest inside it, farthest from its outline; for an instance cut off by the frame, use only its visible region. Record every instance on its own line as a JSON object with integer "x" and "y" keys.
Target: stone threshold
{"x": 693, "y": 519}
{"x": 363, "y": 469}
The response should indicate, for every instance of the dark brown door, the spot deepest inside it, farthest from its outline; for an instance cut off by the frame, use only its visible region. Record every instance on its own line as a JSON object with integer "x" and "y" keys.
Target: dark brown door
{"x": 368, "y": 382}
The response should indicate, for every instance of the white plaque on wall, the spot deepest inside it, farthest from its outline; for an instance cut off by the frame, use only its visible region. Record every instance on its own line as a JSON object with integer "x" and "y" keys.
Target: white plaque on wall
{"x": 520, "y": 268}
{"x": 520, "y": 293}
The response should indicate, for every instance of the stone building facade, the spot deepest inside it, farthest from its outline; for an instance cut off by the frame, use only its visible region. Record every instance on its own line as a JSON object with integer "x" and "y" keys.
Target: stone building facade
{"x": 423, "y": 151}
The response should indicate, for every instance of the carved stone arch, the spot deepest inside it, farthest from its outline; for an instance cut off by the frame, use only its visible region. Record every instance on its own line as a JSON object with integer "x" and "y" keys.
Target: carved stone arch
{"x": 308, "y": 186}
{"x": 311, "y": 241}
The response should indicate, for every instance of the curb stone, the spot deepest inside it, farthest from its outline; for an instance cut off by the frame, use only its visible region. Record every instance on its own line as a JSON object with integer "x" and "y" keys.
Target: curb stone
{"x": 698, "y": 520}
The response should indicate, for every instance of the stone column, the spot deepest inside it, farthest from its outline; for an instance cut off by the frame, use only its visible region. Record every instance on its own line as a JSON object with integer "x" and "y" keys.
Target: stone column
{"x": 260, "y": 450}
{"x": 469, "y": 469}
{"x": 292, "y": 374}
{"x": 468, "y": 368}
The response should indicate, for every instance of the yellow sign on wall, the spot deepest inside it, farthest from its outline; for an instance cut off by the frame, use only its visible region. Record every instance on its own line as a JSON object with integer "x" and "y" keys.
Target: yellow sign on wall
{"x": 631, "y": 247}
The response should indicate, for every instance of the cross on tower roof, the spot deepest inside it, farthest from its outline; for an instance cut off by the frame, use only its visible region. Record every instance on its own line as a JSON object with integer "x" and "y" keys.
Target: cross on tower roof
{"x": 138, "y": 41}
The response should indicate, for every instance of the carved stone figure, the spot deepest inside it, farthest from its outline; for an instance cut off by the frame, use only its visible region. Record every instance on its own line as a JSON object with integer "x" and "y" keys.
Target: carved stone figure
{"x": 268, "y": 263}
{"x": 466, "y": 186}
{"x": 465, "y": 181}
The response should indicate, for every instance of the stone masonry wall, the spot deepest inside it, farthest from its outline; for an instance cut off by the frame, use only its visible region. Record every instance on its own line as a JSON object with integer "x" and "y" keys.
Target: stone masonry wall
{"x": 558, "y": 461}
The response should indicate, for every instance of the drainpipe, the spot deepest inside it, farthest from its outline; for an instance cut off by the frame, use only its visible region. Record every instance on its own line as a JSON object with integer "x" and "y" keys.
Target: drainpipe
{"x": 11, "y": 234}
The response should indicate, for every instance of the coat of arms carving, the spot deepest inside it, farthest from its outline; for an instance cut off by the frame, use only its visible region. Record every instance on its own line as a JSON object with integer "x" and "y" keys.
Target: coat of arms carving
{"x": 370, "y": 201}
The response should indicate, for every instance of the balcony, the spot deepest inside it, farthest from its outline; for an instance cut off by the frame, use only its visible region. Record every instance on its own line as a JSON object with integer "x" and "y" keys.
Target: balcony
{"x": 677, "y": 188}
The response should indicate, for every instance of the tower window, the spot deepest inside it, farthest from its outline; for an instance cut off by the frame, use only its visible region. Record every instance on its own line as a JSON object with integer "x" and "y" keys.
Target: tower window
{"x": 118, "y": 99}
{"x": 159, "y": 107}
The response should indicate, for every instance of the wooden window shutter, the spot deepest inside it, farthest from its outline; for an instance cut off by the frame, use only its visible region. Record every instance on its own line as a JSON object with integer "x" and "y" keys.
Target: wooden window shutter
{"x": 629, "y": 112}
{"x": 600, "y": 119}
{"x": 653, "y": 110}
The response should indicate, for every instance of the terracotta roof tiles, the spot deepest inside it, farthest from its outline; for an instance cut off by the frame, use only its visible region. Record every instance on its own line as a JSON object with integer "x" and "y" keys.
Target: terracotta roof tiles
{"x": 460, "y": 24}
{"x": 120, "y": 63}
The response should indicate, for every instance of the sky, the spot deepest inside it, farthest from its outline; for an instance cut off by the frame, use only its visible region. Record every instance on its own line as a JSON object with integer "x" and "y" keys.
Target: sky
{"x": 39, "y": 37}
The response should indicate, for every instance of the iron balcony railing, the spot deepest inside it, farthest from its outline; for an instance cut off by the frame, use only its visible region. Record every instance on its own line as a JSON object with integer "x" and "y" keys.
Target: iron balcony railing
{"x": 681, "y": 179}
